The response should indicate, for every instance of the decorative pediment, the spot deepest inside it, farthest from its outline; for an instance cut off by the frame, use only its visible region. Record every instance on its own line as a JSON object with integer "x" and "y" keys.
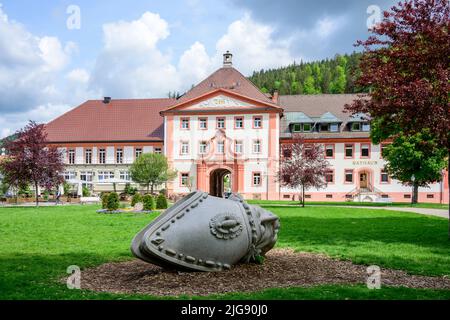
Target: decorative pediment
{"x": 221, "y": 101}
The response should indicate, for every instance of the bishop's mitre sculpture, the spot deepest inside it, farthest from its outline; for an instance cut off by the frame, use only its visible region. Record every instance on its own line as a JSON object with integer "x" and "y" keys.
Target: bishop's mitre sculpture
{"x": 205, "y": 233}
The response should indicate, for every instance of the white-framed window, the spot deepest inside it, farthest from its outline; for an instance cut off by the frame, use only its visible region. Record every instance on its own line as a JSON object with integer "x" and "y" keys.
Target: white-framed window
{"x": 119, "y": 156}
{"x": 87, "y": 177}
{"x": 102, "y": 156}
{"x": 257, "y": 122}
{"x": 334, "y": 127}
{"x": 366, "y": 127}
{"x": 221, "y": 147}
{"x": 324, "y": 127}
{"x": 349, "y": 176}
{"x": 257, "y": 146}
{"x": 297, "y": 127}
{"x": 70, "y": 175}
{"x": 184, "y": 148}
{"x": 138, "y": 152}
{"x": 365, "y": 150}
{"x": 203, "y": 123}
{"x": 329, "y": 176}
{"x": 158, "y": 150}
{"x": 220, "y": 123}
{"x": 384, "y": 176}
{"x": 88, "y": 156}
{"x": 356, "y": 126}
{"x": 125, "y": 175}
{"x": 256, "y": 179}
{"x": 329, "y": 151}
{"x": 307, "y": 127}
{"x": 238, "y": 147}
{"x": 203, "y": 147}
{"x": 184, "y": 179}
{"x": 105, "y": 175}
{"x": 349, "y": 150}
{"x": 185, "y": 123}
{"x": 239, "y": 122}
{"x": 71, "y": 156}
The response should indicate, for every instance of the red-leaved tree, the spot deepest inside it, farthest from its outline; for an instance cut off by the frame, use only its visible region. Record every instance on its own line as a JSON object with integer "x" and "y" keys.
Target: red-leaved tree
{"x": 303, "y": 166}
{"x": 30, "y": 161}
{"x": 406, "y": 67}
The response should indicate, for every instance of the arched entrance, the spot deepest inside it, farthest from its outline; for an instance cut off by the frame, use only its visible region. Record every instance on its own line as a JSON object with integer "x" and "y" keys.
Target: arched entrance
{"x": 220, "y": 181}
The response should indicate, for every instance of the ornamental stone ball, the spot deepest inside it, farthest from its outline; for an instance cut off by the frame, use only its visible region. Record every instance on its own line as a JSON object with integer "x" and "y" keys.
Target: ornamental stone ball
{"x": 205, "y": 233}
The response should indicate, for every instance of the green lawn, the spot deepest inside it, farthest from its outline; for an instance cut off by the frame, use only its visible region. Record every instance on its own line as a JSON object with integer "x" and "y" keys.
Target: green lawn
{"x": 351, "y": 204}
{"x": 37, "y": 245}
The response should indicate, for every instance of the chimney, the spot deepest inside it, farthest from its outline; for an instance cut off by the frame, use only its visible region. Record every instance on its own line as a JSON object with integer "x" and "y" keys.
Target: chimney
{"x": 106, "y": 100}
{"x": 227, "y": 60}
{"x": 275, "y": 97}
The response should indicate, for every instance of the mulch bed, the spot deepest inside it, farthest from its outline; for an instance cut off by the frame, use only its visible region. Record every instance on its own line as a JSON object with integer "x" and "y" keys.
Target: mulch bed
{"x": 282, "y": 268}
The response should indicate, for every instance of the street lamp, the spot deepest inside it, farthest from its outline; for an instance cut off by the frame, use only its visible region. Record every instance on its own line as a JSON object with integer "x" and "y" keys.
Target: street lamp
{"x": 413, "y": 179}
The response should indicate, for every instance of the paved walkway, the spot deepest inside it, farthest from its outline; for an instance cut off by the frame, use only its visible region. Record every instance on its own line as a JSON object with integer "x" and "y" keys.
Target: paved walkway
{"x": 425, "y": 211}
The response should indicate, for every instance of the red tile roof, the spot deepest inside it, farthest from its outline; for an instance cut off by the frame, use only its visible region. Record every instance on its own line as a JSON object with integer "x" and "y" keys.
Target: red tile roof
{"x": 226, "y": 78}
{"x": 120, "y": 120}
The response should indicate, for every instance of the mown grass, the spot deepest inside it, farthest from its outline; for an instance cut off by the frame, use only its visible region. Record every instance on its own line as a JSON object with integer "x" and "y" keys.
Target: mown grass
{"x": 38, "y": 244}
{"x": 351, "y": 204}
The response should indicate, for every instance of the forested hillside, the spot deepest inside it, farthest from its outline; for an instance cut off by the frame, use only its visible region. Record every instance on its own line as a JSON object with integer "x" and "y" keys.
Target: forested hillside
{"x": 327, "y": 76}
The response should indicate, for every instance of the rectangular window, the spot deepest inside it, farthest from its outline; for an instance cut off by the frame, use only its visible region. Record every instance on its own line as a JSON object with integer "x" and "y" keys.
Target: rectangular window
{"x": 349, "y": 150}
{"x": 238, "y": 147}
{"x": 430, "y": 196}
{"x": 125, "y": 175}
{"x": 256, "y": 179}
{"x": 384, "y": 177}
{"x": 297, "y": 127}
{"x": 119, "y": 156}
{"x": 329, "y": 151}
{"x": 71, "y": 175}
{"x": 329, "y": 196}
{"x": 356, "y": 126}
{"x": 221, "y": 147}
{"x": 307, "y": 127}
{"x": 329, "y": 176}
{"x": 138, "y": 152}
{"x": 365, "y": 150}
{"x": 407, "y": 196}
{"x": 348, "y": 176}
{"x": 287, "y": 153}
{"x": 239, "y": 123}
{"x": 203, "y": 147}
{"x": 87, "y": 178}
{"x": 324, "y": 127}
{"x": 366, "y": 127}
{"x": 257, "y": 146}
{"x": 185, "y": 123}
{"x": 158, "y": 150}
{"x": 102, "y": 156}
{"x": 71, "y": 156}
{"x": 334, "y": 127}
{"x": 257, "y": 122}
{"x": 185, "y": 179}
{"x": 185, "y": 148}
{"x": 88, "y": 156}
{"x": 105, "y": 175}
{"x": 203, "y": 123}
{"x": 220, "y": 123}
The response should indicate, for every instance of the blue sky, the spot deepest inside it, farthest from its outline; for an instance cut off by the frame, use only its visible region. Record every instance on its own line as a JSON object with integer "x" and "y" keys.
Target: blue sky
{"x": 136, "y": 48}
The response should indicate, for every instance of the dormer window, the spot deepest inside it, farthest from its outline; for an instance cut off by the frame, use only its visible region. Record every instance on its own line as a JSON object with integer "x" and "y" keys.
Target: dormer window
{"x": 356, "y": 126}
{"x": 324, "y": 127}
{"x": 297, "y": 127}
{"x": 301, "y": 127}
{"x": 306, "y": 127}
{"x": 334, "y": 127}
{"x": 366, "y": 127}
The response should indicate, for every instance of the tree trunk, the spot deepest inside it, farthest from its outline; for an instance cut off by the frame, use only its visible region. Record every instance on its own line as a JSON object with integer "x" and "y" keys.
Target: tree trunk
{"x": 36, "y": 194}
{"x": 303, "y": 192}
{"x": 448, "y": 178}
{"x": 415, "y": 193}
{"x": 152, "y": 188}
{"x": 148, "y": 187}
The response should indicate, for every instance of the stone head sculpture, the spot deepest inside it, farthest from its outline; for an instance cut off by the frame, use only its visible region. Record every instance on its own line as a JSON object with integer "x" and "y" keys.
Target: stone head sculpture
{"x": 205, "y": 233}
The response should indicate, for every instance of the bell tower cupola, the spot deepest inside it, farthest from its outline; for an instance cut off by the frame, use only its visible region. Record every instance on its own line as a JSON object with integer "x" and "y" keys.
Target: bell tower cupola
{"x": 227, "y": 60}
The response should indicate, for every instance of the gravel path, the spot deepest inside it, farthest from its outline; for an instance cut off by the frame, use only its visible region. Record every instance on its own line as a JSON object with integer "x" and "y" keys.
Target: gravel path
{"x": 282, "y": 268}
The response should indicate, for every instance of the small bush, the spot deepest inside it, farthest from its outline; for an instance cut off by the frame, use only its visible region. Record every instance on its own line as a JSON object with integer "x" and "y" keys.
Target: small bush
{"x": 104, "y": 198}
{"x": 136, "y": 199}
{"x": 86, "y": 192}
{"x": 161, "y": 202}
{"x": 129, "y": 190}
{"x": 113, "y": 202}
{"x": 149, "y": 203}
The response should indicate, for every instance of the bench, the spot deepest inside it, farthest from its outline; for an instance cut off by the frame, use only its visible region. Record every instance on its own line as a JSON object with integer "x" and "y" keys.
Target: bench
{"x": 84, "y": 200}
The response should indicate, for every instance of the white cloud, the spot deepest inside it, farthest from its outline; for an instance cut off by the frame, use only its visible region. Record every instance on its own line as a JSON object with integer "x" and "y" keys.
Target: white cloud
{"x": 195, "y": 64}
{"x": 78, "y": 76}
{"x": 254, "y": 46}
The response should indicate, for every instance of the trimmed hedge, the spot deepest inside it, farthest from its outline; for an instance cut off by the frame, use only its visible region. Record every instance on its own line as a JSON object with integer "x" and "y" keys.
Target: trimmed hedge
{"x": 136, "y": 199}
{"x": 149, "y": 203}
{"x": 113, "y": 202}
{"x": 161, "y": 202}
